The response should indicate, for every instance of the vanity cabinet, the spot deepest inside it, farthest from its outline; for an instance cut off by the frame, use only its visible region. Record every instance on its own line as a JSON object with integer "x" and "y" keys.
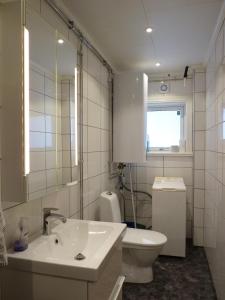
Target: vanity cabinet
{"x": 109, "y": 284}
{"x": 27, "y": 285}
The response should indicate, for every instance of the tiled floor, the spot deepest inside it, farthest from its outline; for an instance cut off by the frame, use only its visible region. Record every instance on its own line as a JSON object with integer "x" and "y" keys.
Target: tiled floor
{"x": 176, "y": 279}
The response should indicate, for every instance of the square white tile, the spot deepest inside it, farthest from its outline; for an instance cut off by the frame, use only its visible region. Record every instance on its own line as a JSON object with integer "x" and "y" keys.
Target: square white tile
{"x": 37, "y": 121}
{"x": 36, "y": 82}
{"x": 199, "y": 160}
{"x": 198, "y": 236}
{"x": 37, "y": 181}
{"x": 94, "y": 164}
{"x": 51, "y": 177}
{"x": 51, "y": 160}
{"x": 199, "y": 179}
{"x": 198, "y": 217}
{"x": 37, "y": 141}
{"x": 94, "y": 114}
{"x": 94, "y": 139}
{"x": 199, "y": 121}
{"x": 199, "y": 137}
{"x": 37, "y": 161}
{"x": 200, "y": 101}
{"x": 37, "y": 101}
{"x": 199, "y": 198}
{"x": 178, "y": 162}
{"x": 185, "y": 173}
{"x": 50, "y": 87}
{"x": 93, "y": 89}
{"x": 200, "y": 82}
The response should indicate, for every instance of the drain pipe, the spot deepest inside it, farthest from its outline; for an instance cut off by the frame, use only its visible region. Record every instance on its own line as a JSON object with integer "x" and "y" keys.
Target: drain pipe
{"x": 80, "y": 55}
{"x": 113, "y": 173}
{"x": 132, "y": 197}
{"x": 135, "y": 191}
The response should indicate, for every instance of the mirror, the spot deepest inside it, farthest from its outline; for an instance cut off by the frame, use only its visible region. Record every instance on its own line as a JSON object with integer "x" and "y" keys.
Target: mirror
{"x": 43, "y": 107}
{"x": 53, "y": 109}
{"x": 67, "y": 99}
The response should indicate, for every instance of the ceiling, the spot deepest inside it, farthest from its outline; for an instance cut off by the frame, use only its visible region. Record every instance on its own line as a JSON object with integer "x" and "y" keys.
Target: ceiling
{"x": 181, "y": 31}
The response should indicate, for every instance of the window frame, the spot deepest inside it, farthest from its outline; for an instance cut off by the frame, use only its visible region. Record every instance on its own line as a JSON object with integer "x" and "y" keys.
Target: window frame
{"x": 168, "y": 106}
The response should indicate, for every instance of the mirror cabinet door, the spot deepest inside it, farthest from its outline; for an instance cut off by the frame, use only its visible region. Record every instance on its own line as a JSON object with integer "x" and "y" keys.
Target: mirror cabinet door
{"x": 67, "y": 109}
{"x": 43, "y": 107}
{"x": 38, "y": 94}
{"x": 11, "y": 94}
{"x": 53, "y": 108}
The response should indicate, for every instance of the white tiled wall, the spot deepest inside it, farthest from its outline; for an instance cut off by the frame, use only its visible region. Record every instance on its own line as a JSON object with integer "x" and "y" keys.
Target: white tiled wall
{"x": 45, "y": 171}
{"x": 97, "y": 130}
{"x": 0, "y": 108}
{"x": 1, "y": 61}
{"x": 214, "y": 212}
{"x": 199, "y": 116}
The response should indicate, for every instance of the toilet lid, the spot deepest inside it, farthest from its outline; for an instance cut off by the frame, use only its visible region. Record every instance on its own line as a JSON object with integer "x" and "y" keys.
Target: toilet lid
{"x": 144, "y": 238}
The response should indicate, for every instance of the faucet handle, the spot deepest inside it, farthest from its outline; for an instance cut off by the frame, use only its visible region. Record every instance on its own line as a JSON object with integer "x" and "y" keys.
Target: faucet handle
{"x": 47, "y": 210}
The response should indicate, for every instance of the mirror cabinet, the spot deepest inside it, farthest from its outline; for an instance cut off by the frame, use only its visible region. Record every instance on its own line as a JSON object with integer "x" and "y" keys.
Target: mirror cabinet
{"x": 39, "y": 103}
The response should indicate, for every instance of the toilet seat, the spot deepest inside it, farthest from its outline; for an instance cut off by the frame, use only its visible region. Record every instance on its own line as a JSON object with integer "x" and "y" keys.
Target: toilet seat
{"x": 144, "y": 239}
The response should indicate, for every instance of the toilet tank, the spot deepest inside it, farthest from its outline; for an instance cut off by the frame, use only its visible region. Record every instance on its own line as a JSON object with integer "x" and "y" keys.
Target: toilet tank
{"x": 109, "y": 207}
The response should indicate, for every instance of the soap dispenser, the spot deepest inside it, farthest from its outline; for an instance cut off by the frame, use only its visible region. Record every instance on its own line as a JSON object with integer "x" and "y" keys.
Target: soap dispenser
{"x": 21, "y": 242}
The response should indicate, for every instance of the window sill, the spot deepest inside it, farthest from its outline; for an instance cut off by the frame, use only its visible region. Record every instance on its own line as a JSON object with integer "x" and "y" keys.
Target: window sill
{"x": 168, "y": 153}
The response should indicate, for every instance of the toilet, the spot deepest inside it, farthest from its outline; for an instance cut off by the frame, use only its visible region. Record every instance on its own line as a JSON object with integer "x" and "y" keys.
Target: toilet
{"x": 140, "y": 247}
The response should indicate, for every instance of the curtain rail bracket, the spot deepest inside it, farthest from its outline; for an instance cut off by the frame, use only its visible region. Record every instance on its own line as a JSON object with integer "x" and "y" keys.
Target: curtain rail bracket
{"x": 71, "y": 25}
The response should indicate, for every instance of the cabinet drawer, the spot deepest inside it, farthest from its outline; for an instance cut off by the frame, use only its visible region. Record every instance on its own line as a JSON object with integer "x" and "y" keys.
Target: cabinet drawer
{"x": 102, "y": 288}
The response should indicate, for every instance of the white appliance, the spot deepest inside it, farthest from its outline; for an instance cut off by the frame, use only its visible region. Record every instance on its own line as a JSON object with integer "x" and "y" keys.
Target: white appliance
{"x": 169, "y": 213}
{"x": 140, "y": 247}
{"x": 129, "y": 117}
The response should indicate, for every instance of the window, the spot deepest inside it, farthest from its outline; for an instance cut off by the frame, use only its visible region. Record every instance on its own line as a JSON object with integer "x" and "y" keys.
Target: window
{"x": 165, "y": 126}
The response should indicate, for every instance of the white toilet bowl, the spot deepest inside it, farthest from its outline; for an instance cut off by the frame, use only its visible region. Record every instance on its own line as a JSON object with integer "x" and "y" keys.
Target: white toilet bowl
{"x": 140, "y": 250}
{"x": 140, "y": 247}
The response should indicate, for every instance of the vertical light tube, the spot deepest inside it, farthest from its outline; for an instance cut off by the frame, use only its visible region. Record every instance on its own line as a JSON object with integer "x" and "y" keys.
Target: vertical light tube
{"x": 26, "y": 103}
{"x": 76, "y": 117}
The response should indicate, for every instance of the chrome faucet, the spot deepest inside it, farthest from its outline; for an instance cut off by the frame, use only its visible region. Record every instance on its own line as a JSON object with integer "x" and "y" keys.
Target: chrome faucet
{"x": 48, "y": 216}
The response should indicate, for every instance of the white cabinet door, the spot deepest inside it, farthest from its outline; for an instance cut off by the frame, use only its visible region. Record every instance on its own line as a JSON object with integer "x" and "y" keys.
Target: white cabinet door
{"x": 129, "y": 117}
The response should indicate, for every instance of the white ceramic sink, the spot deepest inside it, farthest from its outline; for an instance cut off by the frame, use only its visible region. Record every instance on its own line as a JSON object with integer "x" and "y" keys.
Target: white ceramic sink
{"x": 55, "y": 254}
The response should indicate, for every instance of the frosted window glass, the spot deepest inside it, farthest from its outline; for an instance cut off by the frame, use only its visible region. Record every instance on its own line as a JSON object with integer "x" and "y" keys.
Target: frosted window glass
{"x": 163, "y": 128}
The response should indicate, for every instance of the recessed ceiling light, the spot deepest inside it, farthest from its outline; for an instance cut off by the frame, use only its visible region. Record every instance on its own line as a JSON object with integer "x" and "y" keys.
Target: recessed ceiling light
{"x": 60, "y": 41}
{"x": 148, "y": 29}
{"x": 158, "y": 64}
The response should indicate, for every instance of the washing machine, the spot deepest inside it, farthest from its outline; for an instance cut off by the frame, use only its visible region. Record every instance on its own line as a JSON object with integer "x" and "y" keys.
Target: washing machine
{"x": 169, "y": 213}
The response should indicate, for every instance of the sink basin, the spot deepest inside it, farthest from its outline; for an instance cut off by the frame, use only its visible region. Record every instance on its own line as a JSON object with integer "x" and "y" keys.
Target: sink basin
{"x": 56, "y": 254}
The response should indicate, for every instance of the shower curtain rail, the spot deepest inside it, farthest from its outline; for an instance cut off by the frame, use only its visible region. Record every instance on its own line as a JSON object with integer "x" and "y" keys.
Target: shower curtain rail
{"x": 75, "y": 29}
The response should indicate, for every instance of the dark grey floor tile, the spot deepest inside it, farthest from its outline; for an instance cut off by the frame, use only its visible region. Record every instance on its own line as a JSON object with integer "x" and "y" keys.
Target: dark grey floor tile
{"x": 176, "y": 279}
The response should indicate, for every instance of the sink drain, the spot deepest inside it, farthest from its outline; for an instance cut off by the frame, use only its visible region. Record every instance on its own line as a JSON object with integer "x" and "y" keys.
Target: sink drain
{"x": 79, "y": 256}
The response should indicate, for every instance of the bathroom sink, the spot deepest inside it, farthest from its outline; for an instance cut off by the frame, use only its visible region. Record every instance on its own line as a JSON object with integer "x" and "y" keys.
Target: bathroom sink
{"x": 76, "y": 249}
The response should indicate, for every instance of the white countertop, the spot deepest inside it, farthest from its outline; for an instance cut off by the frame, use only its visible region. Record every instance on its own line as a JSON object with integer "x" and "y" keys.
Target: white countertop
{"x": 93, "y": 239}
